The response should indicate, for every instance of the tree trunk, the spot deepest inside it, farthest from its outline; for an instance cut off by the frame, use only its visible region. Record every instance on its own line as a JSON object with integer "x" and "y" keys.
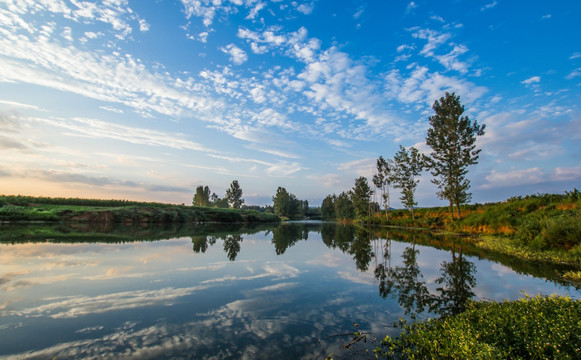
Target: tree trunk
{"x": 388, "y": 210}
{"x": 451, "y": 210}
{"x": 458, "y": 206}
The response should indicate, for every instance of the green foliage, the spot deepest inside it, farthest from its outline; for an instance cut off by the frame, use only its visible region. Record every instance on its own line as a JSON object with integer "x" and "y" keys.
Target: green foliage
{"x": 234, "y": 195}
{"x": 360, "y": 196}
{"x": 202, "y": 196}
{"x": 344, "y": 207}
{"x": 531, "y": 328}
{"x": 287, "y": 205}
{"x": 452, "y": 138}
{"x": 383, "y": 179}
{"x": 328, "y": 207}
{"x": 408, "y": 165}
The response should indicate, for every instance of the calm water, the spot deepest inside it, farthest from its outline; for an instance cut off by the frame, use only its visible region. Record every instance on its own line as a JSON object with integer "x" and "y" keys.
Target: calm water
{"x": 284, "y": 292}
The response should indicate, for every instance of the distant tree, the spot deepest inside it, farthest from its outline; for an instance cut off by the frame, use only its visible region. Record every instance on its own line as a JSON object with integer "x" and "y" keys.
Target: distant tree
{"x": 382, "y": 180}
{"x": 344, "y": 207}
{"x": 221, "y": 203}
{"x": 202, "y": 196}
{"x": 234, "y": 195}
{"x": 408, "y": 165}
{"x": 305, "y": 208}
{"x": 281, "y": 202}
{"x": 452, "y": 138}
{"x": 217, "y": 202}
{"x": 360, "y": 196}
{"x": 328, "y": 207}
{"x": 287, "y": 204}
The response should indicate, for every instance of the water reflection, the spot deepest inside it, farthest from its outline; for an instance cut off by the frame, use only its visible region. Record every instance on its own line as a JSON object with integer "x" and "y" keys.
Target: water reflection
{"x": 231, "y": 291}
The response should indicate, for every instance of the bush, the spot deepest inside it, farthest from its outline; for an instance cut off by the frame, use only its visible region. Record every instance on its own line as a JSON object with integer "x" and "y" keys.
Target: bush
{"x": 531, "y": 328}
{"x": 562, "y": 232}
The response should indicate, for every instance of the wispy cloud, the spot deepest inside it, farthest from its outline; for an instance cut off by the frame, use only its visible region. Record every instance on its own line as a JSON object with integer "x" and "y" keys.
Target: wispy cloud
{"x": 489, "y": 6}
{"x": 98, "y": 129}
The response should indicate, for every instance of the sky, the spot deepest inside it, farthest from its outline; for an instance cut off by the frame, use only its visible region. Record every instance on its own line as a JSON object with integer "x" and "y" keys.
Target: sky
{"x": 145, "y": 100}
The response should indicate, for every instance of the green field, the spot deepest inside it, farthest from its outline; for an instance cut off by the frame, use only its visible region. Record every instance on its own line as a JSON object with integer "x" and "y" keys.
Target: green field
{"x": 25, "y": 208}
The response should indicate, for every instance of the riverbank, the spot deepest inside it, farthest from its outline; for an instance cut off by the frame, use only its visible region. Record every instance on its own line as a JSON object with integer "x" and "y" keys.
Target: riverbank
{"x": 26, "y": 209}
{"x": 543, "y": 227}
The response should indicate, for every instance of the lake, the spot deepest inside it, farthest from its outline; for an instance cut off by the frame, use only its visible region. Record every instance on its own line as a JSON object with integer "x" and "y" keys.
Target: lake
{"x": 288, "y": 291}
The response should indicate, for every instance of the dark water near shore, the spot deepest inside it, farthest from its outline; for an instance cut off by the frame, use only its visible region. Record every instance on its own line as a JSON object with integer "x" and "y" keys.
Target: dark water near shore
{"x": 286, "y": 291}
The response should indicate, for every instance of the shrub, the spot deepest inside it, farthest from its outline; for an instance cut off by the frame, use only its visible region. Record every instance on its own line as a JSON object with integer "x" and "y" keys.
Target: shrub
{"x": 562, "y": 232}
{"x": 531, "y": 328}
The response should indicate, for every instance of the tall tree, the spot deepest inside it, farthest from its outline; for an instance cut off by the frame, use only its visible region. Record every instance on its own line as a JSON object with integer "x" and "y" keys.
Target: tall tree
{"x": 328, "y": 207}
{"x": 343, "y": 207}
{"x": 282, "y": 202}
{"x": 408, "y": 165}
{"x": 452, "y": 138}
{"x": 202, "y": 196}
{"x": 360, "y": 196}
{"x": 234, "y": 195}
{"x": 382, "y": 180}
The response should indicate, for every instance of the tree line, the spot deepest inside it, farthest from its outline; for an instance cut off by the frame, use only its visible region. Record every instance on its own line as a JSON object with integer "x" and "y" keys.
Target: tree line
{"x": 451, "y": 137}
{"x": 285, "y": 204}
{"x": 233, "y": 198}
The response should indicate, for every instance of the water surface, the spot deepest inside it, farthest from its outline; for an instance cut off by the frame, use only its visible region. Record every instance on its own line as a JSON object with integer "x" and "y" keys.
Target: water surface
{"x": 288, "y": 291}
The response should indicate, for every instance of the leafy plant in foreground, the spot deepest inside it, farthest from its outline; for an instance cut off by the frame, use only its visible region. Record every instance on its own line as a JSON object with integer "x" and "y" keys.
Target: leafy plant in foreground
{"x": 530, "y": 328}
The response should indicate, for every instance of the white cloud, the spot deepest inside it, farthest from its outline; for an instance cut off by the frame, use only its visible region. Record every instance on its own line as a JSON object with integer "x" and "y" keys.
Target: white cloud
{"x": 201, "y": 9}
{"x": 359, "y": 13}
{"x": 255, "y": 10}
{"x": 434, "y": 38}
{"x": 421, "y": 86}
{"x": 306, "y": 9}
{"x": 514, "y": 178}
{"x": 361, "y": 167}
{"x": 437, "y": 18}
{"x": 450, "y": 61}
{"x": 489, "y": 6}
{"x": 575, "y": 73}
{"x": 531, "y": 80}
{"x": 237, "y": 55}
{"x": 203, "y": 36}
{"x": 564, "y": 174}
{"x": 576, "y": 55}
{"x": 412, "y": 5}
{"x": 143, "y": 25}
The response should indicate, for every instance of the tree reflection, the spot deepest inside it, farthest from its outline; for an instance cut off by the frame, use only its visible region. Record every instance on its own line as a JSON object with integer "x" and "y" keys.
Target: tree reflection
{"x": 286, "y": 235}
{"x": 406, "y": 283}
{"x": 350, "y": 240}
{"x": 200, "y": 243}
{"x": 361, "y": 249}
{"x": 232, "y": 246}
{"x": 412, "y": 292}
{"x": 457, "y": 281}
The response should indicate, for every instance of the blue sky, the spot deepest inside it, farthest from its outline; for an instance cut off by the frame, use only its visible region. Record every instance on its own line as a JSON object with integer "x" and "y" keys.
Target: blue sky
{"x": 145, "y": 100}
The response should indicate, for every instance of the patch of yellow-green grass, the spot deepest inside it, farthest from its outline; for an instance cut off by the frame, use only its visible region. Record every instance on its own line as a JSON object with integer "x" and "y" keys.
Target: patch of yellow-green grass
{"x": 574, "y": 276}
{"x": 508, "y": 246}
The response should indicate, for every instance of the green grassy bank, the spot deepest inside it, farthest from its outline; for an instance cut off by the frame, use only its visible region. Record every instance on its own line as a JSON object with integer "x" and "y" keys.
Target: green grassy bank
{"x": 543, "y": 227}
{"x": 24, "y": 208}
